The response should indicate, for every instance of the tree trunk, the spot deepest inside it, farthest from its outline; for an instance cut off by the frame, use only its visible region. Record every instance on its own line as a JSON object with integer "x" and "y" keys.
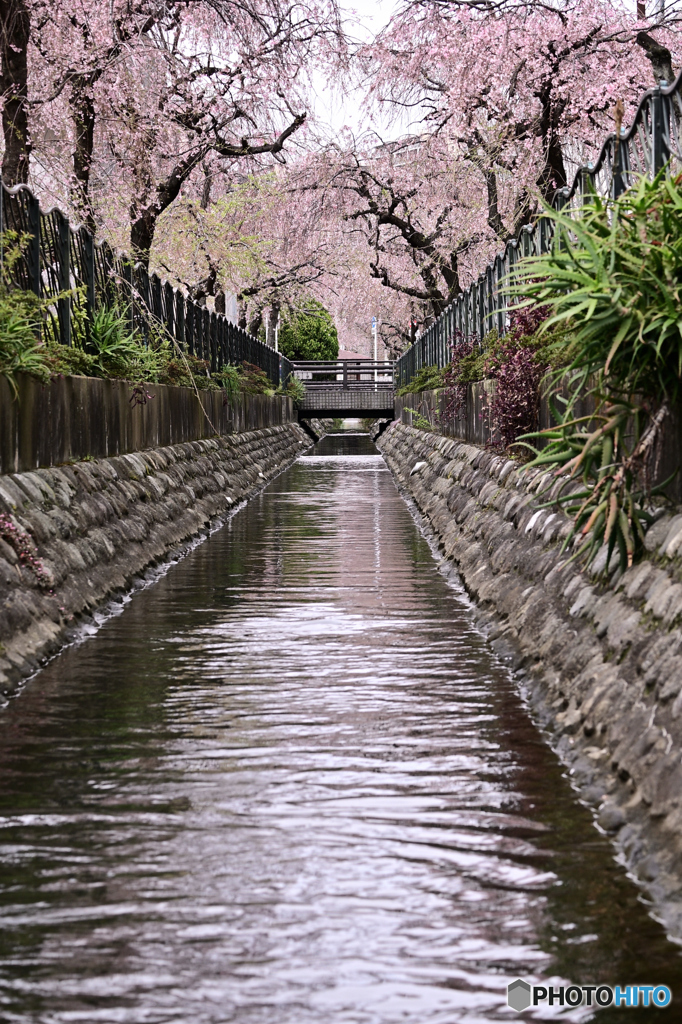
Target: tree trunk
{"x": 145, "y": 218}
{"x": 271, "y": 324}
{"x": 83, "y": 111}
{"x": 256, "y": 322}
{"x": 15, "y": 27}
{"x": 659, "y": 56}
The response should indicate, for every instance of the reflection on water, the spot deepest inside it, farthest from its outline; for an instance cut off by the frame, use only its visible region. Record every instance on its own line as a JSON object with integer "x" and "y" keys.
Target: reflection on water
{"x": 290, "y": 784}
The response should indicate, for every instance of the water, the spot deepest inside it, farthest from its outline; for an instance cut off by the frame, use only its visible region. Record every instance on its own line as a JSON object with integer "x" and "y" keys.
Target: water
{"x": 290, "y": 784}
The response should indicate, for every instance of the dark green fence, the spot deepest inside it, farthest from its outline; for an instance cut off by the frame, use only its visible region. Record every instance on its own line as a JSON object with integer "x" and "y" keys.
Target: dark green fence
{"x": 653, "y": 139}
{"x": 64, "y": 263}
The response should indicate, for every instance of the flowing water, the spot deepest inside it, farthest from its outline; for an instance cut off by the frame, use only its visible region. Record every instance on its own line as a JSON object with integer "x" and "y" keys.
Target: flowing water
{"x": 290, "y": 784}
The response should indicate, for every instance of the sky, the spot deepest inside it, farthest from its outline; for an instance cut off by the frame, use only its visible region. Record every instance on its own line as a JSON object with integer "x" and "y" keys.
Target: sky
{"x": 365, "y": 18}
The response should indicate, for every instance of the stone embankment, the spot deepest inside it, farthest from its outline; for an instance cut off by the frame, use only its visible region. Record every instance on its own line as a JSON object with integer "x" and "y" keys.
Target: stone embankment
{"x": 600, "y": 660}
{"x": 86, "y": 530}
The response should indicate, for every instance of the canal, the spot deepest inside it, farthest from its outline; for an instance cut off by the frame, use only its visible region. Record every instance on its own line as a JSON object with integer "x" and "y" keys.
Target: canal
{"x": 289, "y": 783}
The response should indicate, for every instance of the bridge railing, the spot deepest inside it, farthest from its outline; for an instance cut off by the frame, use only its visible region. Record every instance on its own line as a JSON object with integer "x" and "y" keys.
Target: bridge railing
{"x": 345, "y": 374}
{"x": 61, "y": 261}
{"x": 653, "y": 139}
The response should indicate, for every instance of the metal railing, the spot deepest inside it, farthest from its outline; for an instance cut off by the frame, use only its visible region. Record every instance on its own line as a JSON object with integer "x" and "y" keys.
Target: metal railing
{"x": 652, "y": 140}
{"x": 63, "y": 262}
{"x": 345, "y": 374}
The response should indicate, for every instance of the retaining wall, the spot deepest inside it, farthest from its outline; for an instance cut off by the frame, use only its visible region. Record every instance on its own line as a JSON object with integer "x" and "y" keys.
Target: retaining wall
{"x": 473, "y": 424}
{"x": 97, "y": 524}
{"x": 74, "y": 418}
{"x": 601, "y": 660}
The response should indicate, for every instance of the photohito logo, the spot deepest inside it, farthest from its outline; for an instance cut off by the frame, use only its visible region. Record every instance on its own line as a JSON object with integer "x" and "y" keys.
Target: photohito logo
{"x": 521, "y": 995}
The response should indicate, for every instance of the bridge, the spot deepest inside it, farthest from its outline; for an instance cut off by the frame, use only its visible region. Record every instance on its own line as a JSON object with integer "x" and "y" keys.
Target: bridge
{"x": 361, "y": 388}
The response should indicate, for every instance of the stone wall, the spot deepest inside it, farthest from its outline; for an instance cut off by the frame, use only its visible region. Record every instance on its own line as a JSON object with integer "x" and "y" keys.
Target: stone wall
{"x": 600, "y": 659}
{"x": 74, "y": 418}
{"x": 96, "y": 524}
{"x": 473, "y": 424}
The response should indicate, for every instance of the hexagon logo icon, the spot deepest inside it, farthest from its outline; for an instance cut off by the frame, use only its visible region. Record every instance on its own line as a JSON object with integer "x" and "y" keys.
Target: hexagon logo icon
{"x": 518, "y": 995}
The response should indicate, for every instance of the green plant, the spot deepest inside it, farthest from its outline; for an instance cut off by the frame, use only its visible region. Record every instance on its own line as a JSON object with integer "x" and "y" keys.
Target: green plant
{"x": 614, "y": 276}
{"x": 62, "y": 359}
{"x": 308, "y": 332}
{"x": 609, "y": 453}
{"x": 254, "y": 381}
{"x": 112, "y": 343}
{"x": 229, "y": 379}
{"x": 419, "y": 422}
{"x": 429, "y": 378}
{"x": 12, "y": 247}
{"x": 20, "y": 347}
{"x": 294, "y": 388}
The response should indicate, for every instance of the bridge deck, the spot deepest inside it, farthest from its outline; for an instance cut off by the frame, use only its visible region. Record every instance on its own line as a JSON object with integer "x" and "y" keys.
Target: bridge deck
{"x": 346, "y": 387}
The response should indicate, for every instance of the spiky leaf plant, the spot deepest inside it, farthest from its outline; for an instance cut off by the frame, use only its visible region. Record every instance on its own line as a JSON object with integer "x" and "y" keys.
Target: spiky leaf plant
{"x": 614, "y": 273}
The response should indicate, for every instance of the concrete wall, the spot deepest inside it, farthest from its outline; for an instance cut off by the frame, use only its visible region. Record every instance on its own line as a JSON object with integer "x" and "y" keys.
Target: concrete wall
{"x": 600, "y": 657}
{"x": 94, "y": 525}
{"x": 73, "y": 418}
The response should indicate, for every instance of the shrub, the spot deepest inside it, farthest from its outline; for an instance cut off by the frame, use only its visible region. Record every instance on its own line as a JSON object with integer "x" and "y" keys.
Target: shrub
{"x": 515, "y": 404}
{"x": 294, "y": 388}
{"x": 429, "y": 378}
{"x": 309, "y": 333}
{"x": 614, "y": 276}
{"x": 20, "y": 346}
{"x": 254, "y": 381}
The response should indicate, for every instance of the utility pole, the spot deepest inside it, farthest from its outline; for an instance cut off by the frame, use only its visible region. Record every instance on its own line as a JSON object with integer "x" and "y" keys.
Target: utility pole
{"x": 375, "y": 328}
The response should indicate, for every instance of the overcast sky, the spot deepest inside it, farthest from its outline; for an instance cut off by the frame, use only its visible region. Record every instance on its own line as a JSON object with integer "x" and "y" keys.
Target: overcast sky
{"x": 364, "y": 19}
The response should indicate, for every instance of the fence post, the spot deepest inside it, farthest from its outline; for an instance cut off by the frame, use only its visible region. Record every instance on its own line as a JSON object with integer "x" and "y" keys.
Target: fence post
{"x": 169, "y": 308}
{"x": 107, "y": 287}
{"x": 33, "y": 250}
{"x": 206, "y": 335}
{"x": 213, "y": 341}
{"x": 501, "y": 304}
{"x": 64, "y": 277}
{"x": 222, "y": 340}
{"x": 657, "y": 141}
{"x": 155, "y": 298}
{"x": 127, "y": 275}
{"x": 617, "y": 184}
{"x": 141, "y": 278}
{"x": 229, "y": 350}
{"x": 179, "y": 319}
{"x": 189, "y": 326}
{"x": 89, "y": 279}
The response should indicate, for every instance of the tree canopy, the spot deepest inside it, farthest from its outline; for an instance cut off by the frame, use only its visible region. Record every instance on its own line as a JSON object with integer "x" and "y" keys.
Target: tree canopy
{"x": 187, "y": 135}
{"x": 309, "y": 333}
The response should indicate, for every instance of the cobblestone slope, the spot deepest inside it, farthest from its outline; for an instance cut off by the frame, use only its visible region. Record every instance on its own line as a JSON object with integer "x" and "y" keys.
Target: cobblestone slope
{"x": 97, "y": 524}
{"x": 602, "y": 661}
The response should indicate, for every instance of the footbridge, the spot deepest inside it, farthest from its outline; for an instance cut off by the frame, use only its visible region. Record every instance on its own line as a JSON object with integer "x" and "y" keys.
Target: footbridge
{"x": 346, "y": 387}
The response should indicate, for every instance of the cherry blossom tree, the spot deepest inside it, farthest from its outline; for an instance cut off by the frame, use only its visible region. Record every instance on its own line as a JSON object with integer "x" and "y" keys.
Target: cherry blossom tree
{"x": 528, "y": 90}
{"x": 506, "y": 99}
{"x": 149, "y": 89}
{"x": 15, "y": 29}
